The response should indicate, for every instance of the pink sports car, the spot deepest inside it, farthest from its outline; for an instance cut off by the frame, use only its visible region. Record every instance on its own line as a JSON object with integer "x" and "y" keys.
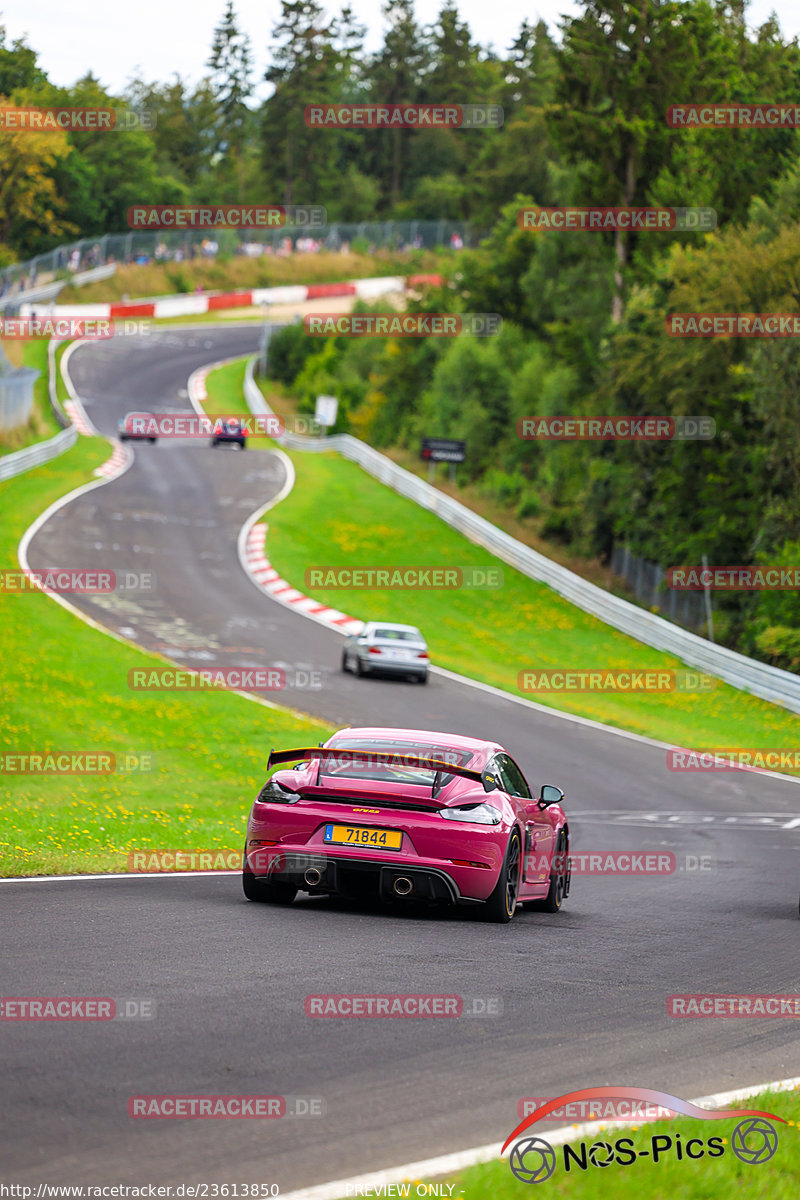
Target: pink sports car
{"x": 407, "y": 814}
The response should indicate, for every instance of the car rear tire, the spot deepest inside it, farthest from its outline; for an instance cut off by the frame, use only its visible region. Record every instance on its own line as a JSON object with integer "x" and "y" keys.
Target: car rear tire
{"x": 359, "y": 668}
{"x": 502, "y": 904}
{"x": 345, "y": 666}
{"x": 267, "y": 893}
{"x": 153, "y": 441}
{"x": 558, "y": 881}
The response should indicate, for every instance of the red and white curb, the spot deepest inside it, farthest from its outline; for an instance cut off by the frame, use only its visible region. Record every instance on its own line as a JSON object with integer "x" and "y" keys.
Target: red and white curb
{"x": 121, "y": 459}
{"x": 195, "y": 305}
{"x": 266, "y": 578}
{"x": 77, "y": 415}
{"x": 121, "y": 456}
{"x": 253, "y": 535}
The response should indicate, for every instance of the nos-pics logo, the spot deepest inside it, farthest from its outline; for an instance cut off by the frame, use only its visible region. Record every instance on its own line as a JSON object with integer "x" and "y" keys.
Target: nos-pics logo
{"x": 533, "y": 1159}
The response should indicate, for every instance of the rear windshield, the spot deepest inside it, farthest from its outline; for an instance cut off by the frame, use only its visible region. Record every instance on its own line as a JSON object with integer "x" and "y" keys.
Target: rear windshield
{"x": 397, "y": 772}
{"x": 399, "y": 635}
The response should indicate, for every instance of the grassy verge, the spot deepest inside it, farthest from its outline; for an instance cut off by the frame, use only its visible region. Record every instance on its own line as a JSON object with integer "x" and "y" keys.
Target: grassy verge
{"x": 233, "y": 274}
{"x": 65, "y": 689}
{"x": 670, "y": 1177}
{"x": 42, "y": 423}
{"x": 339, "y": 515}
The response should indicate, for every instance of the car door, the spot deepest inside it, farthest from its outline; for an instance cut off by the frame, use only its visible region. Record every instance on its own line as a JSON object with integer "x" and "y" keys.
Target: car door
{"x": 538, "y": 828}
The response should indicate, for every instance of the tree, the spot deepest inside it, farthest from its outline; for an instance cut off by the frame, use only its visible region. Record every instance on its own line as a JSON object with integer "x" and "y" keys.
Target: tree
{"x": 395, "y": 77}
{"x": 304, "y": 71}
{"x": 30, "y": 207}
{"x": 18, "y": 67}
{"x": 231, "y": 64}
{"x": 620, "y": 64}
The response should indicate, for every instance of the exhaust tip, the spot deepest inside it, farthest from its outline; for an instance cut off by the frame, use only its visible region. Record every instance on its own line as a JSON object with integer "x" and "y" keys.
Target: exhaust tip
{"x": 402, "y": 886}
{"x": 312, "y": 876}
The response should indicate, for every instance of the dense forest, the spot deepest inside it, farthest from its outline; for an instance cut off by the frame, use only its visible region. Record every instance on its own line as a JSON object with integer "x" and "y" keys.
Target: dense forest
{"x": 583, "y": 313}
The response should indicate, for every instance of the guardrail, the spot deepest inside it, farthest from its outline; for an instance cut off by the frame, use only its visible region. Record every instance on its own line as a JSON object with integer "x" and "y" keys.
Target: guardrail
{"x": 34, "y": 456}
{"x": 749, "y": 675}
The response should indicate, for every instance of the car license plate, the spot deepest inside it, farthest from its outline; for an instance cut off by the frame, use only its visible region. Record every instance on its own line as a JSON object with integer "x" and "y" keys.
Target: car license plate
{"x": 360, "y": 835}
{"x": 397, "y": 653}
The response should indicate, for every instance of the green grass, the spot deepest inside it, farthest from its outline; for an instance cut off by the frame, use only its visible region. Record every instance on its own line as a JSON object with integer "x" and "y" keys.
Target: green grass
{"x": 65, "y": 688}
{"x": 337, "y": 514}
{"x": 670, "y": 1178}
{"x": 42, "y": 423}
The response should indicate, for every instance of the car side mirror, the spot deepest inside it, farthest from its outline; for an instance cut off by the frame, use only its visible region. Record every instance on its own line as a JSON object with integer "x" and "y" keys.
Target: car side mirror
{"x": 550, "y": 794}
{"x": 489, "y": 780}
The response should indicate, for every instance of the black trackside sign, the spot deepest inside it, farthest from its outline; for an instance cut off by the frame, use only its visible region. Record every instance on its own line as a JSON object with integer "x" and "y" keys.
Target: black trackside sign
{"x": 443, "y": 450}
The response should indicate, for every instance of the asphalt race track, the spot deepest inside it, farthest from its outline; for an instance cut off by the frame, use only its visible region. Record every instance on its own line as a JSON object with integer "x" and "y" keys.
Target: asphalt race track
{"x": 583, "y": 993}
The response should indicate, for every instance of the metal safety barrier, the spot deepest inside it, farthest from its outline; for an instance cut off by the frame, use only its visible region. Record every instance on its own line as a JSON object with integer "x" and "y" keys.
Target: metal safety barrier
{"x": 34, "y": 456}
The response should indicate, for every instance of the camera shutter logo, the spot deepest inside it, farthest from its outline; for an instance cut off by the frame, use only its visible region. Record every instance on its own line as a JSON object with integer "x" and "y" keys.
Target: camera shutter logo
{"x": 754, "y": 1141}
{"x": 541, "y": 1160}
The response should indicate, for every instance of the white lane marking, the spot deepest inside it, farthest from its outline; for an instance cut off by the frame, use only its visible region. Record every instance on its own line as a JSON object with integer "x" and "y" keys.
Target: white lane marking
{"x": 448, "y": 1164}
{"x": 753, "y": 820}
{"x": 115, "y": 875}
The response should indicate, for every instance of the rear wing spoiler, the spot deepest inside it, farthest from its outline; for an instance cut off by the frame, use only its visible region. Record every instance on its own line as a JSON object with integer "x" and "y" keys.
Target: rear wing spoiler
{"x": 394, "y": 758}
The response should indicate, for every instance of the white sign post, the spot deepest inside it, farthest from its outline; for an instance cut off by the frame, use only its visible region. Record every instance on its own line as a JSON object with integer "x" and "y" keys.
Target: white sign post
{"x": 326, "y": 411}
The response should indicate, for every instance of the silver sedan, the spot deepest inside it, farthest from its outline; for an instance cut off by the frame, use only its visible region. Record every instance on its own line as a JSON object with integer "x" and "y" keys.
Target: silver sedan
{"x": 385, "y": 648}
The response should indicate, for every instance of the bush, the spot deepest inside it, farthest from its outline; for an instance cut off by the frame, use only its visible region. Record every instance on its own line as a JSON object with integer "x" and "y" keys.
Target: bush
{"x": 780, "y": 646}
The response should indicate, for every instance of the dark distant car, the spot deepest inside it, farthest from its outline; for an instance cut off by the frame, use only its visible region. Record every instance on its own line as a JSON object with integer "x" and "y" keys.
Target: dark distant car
{"x": 385, "y": 648}
{"x": 229, "y": 432}
{"x": 404, "y": 815}
{"x": 131, "y": 428}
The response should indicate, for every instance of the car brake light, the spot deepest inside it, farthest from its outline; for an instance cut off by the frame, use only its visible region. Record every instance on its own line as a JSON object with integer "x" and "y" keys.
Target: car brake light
{"x": 463, "y": 862}
{"x": 375, "y": 650}
{"x": 422, "y": 654}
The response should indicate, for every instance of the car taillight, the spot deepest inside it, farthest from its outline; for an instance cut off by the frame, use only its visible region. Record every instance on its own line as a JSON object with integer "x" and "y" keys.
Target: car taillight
{"x": 375, "y": 650}
{"x": 422, "y": 654}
